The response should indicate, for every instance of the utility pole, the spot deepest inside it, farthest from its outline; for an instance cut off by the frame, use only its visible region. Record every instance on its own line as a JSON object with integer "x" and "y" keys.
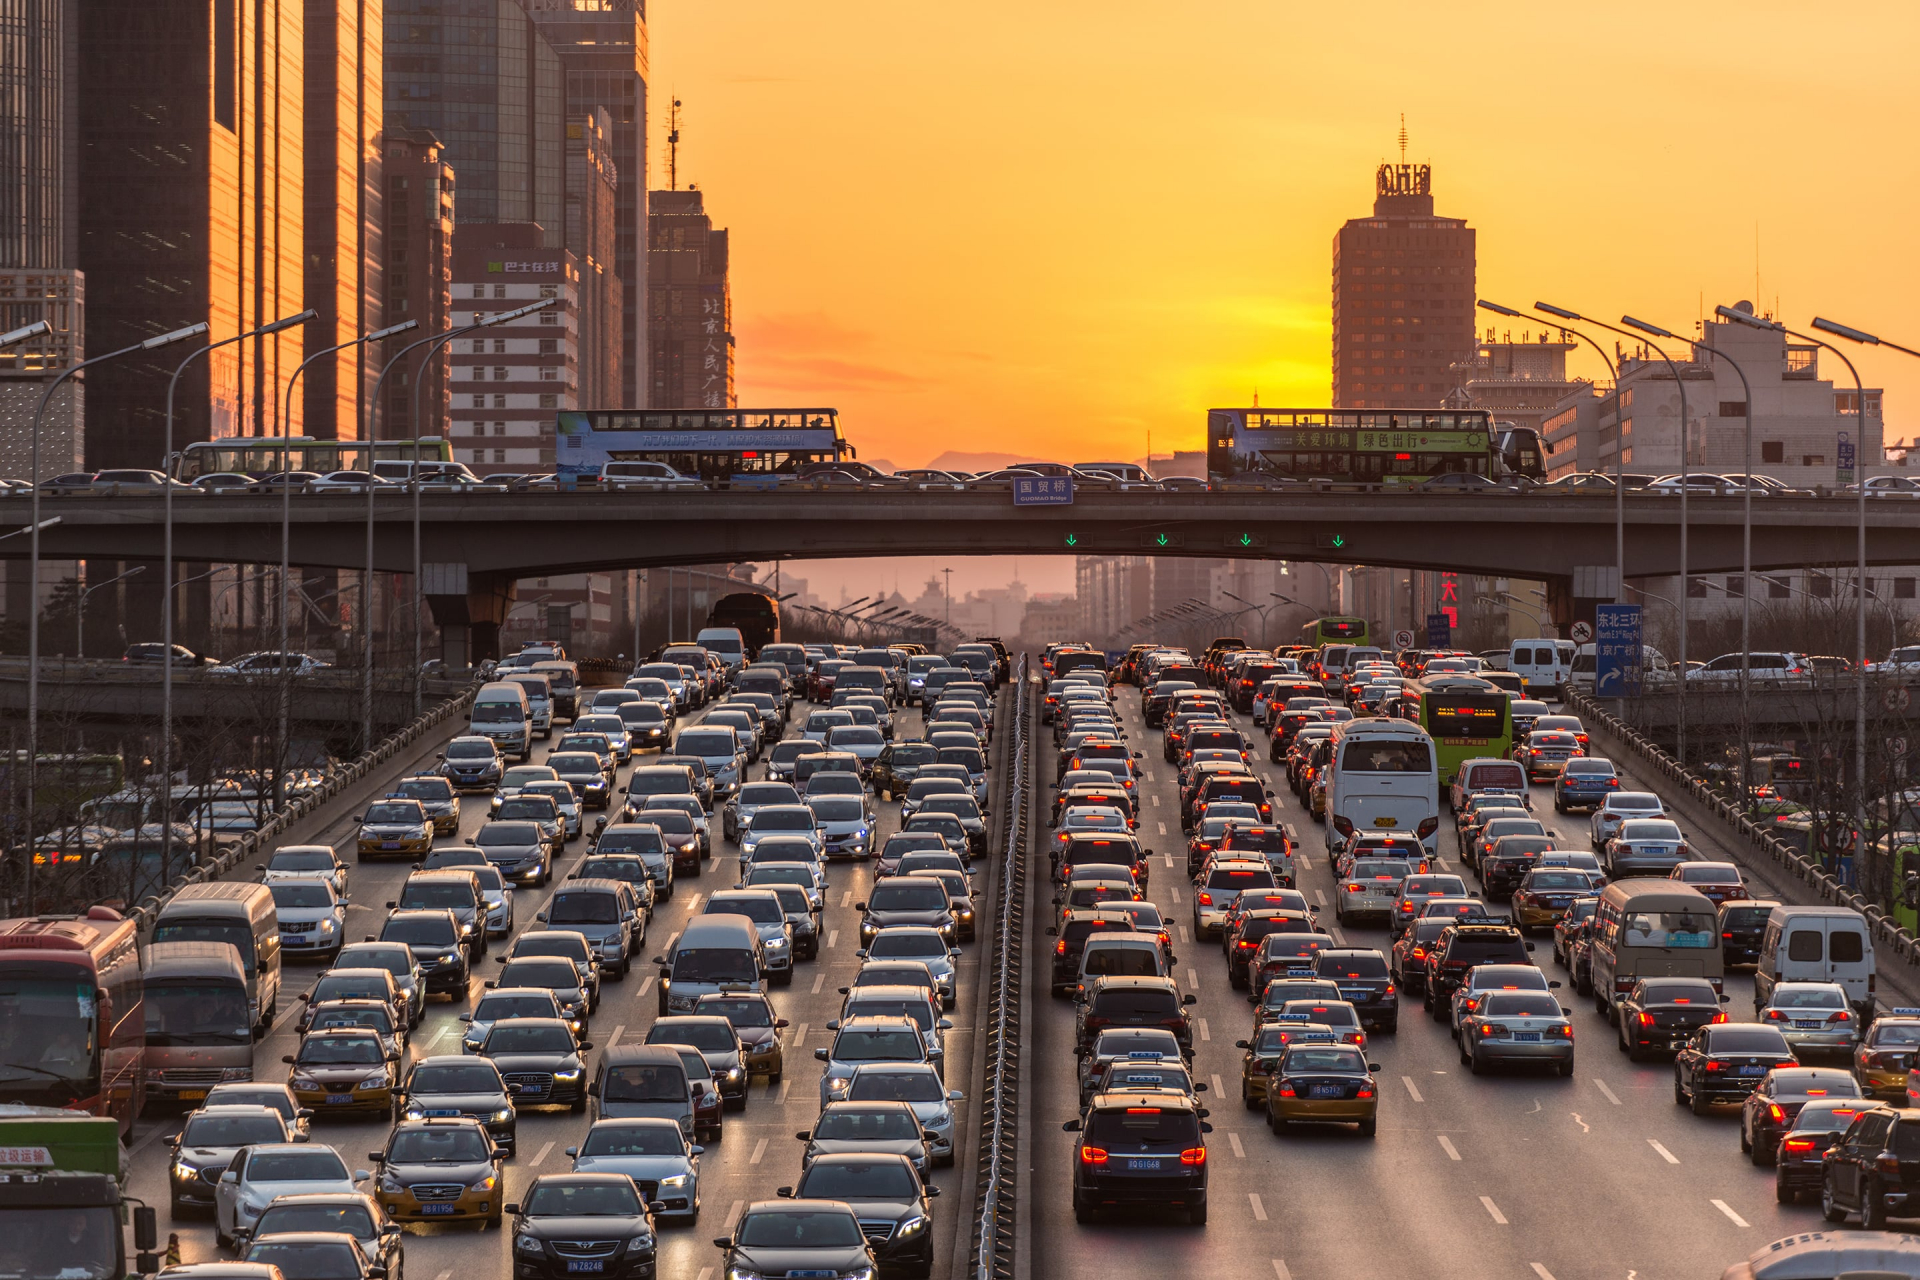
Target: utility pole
{"x": 949, "y": 574}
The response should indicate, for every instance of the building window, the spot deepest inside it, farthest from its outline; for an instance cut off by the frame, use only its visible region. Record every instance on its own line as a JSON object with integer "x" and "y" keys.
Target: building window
{"x": 1903, "y": 588}
{"x": 499, "y": 402}
{"x": 499, "y": 455}
{"x": 1773, "y": 451}
{"x": 1733, "y": 408}
{"x": 549, "y": 402}
{"x": 499, "y": 291}
{"x": 499, "y": 373}
{"x": 549, "y": 317}
{"x": 479, "y": 402}
{"x": 549, "y": 346}
{"x": 1696, "y": 588}
{"x": 1813, "y": 459}
{"x": 479, "y": 346}
{"x": 499, "y": 428}
{"x": 479, "y": 373}
{"x": 1820, "y": 586}
{"x": 549, "y": 373}
{"x": 499, "y": 346}
{"x": 479, "y": 291}
{"x": 549, "y": 290}
{"x": 1777, "y": 589}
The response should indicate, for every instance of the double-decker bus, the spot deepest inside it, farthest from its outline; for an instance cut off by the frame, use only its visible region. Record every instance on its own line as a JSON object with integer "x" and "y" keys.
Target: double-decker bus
{"x": 1350, "y": 446}
{"x": 728, "y": 446}
{"x": 1466, "y": 717}
{"x": 261, "y": 456}
{"x": 74, "y": 1021}
{"x": 1334, "y": 631}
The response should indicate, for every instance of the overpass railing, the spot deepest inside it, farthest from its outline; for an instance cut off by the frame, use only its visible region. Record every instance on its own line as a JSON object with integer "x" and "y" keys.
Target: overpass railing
{"x": 998, "y": 1176}
{"x": 1749, "y": 833}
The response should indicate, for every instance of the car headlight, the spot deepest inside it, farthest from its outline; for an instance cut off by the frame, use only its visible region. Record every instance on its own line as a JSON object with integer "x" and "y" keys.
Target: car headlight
{"x": 304, "y": 1082}
{"x": 733, "y": 1073}
{"x": 864, "y": 1273}
{"x": 236, "y": 1073}
{"x": 775, "y": 944}
{"x": 501, "y": 1116}
{"x": 677, "y": 1180}
{"x": 527, "y": 1245}
{"x": 390, "y": 1182}
{"x": 911, "y": 1226}
{"x": 741, "y": 1273}
{"x": 416, "y": 1113}
{"x": 836, "y": 1083}
{"x": 185, "y": 1173}
{"x": 574, "y": 1074}
{"x": 485, "y": 1184}
{"x": 329, "y": 924}
{"x": 373, "y": 1082}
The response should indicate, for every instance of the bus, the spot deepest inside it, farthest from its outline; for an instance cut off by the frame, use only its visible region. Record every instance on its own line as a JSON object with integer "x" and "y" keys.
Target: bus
{"x": 1324, "y": 631}
{"x": 744, "y": 448}
{"x": 1396, "y": 447}
{"x": 1384, "y": 778}
{"x": 754, "y": 615}
{"x": 1519, "y": 452}
{"x": 1466, "y": 717}
{"x": 76, "y": 1025}
{"x": 261, "y": 456}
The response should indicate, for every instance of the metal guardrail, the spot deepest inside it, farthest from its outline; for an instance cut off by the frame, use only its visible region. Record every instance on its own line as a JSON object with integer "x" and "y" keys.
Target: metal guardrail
{"x": 337, "y": 780}
{"x": 993, "y": 1237}
{"x": 1750, "y": 834}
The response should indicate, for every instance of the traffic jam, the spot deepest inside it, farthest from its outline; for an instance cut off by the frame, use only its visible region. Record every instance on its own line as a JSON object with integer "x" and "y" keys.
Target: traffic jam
{"x": 1252, "y": 892}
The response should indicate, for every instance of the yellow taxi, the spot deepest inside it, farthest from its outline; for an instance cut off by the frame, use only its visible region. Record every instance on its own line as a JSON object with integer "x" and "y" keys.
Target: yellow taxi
{"x": 396, "y": 827}
{"x": 440, "y": 1169}
{"x": 343, "y": 1071}
{"x": 1323, "y": 1083}
{"x": 1883, "y": 1058}
{"x": 1264, "y": 1051}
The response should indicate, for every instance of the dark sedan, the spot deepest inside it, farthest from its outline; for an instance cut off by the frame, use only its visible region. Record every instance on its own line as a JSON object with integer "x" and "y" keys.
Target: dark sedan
{"x": 542, "y": 1058}
{"x": 1801, "y": 1158}
{"x": 567, "y": 1222}
{"x": 797, "y": 1237}
{"x": 1661, "y": 1014}
{"x": 885, "y": 1192}
{"x": 1725, "y": 1063}
{"x": 1774, "y": 1107}
{"x": 1742, "y": 925}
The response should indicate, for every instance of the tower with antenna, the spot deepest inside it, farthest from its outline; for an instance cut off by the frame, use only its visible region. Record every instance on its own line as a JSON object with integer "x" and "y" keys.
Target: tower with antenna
{"x": 673, "y": 145}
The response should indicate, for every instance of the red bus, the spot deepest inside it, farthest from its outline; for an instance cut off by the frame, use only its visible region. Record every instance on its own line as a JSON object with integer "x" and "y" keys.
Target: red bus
{"x": 70, "y": 1003}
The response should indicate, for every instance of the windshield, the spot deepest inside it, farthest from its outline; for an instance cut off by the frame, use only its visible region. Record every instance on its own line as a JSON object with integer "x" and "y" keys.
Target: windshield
{"x": 420, "y": 932}
{"x": 353, "y": 1219}
{"x": 232, "y": 1131}
{"x": 450, "y": 1143}
{"x": 300, "y": 860}
{"x": 876, "y": 1046}
{"x": 758, "y": 910}
{"x": 583, "y": 907}
{"x": 1522, "y": 1005}
{"x": 854, "y": 736}
{"x": 706, "y": 744}
{"x": 878, "y": 1125}
{"x": 1692, "y": 929}
{"x": 645, "y": 1082}
{"x": 239, "y": 936}
{"x": 597, "y": 1200}
{"x": 202, "y": 1014}
{"x": 363, "y": 1017}
{"x": 513, "y": 1037}
{"x": 381, "y": 814}
{"x": 1655, "y": 829}
{"x": 540, "y": 972}
{"x": 1323, "y": 1058}
{"x": 1808, "y": 998}
{"x": 641, "y": 840}
{"x": 907, "y": 944}
{"x": 1559, "y": 880}
{"x": 1392, "y": 756}
{"x": 799, "y": 1229}
{"x": 314, "y": 1165}
{"x": 634, "y": 1140}
{"x": 326, "y": 1051}
{"x": 907, "y": 897}
{"x": 301, "y": 893}
{"x": 1137, "y": 1127}
{"x": 715, "y": 964}
{"x": 783, "y": 820}
{"x": 536, "y": 808}
{"x": 495, "y": 1008}
{"x": 501, "y": 834}
{"x": 457, "y": 750}
{"x": 437, "y": 893}
{"x": 708, "y": 1036}
{"x": 308, "y": 1259}
{"x": 861, "y": 1179}
{"x": 455, "y": 1077}
{"x": 426, "y": 789}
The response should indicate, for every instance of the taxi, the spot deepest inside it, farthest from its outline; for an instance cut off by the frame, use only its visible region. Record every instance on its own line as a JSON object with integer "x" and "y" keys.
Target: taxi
{"x": 1265, "y": 1050}
{"x": 1545, "y": 752}
{"x": 433, "y": 1170}
{"x": 1883, "y": 1060}
{"x": 396, "y": 827}
{"x": 1340, "y": 1015}
{"x": 1323, "y": 1084}
{"x": 343, "y": 1071}
{"x": 1545, "y": 894}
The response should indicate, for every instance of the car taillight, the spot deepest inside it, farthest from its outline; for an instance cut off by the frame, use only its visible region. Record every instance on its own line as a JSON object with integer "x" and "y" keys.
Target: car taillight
{"x": 1343, "y": 825}
{"x": 1646, "y": 1019}
{"x": 1564, "y": 1031}
{"x": 1364, "y": 1092}
{"x": 1775, "y": 1114}
{"x": 1206, "y": 899}
{"x": 1247, "y": 946}
{"x": 1774, "y": 1015}
{"x": 1093, "y": 1155}
{"x": 1797, "y": 1144}
{"x": 1060, "y": 947}
{"x": 1194, "y": 1156}
{"x": 1842, "y": 1016}
{"x": 1715, "y": 1066}
{"x": 1419, "y": 953}
{"x": 1286, "y": 1089}
{"x": 1888, "y": 1163}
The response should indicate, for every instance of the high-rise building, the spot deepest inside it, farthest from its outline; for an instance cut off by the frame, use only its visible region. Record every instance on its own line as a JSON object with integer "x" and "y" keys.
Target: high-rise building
{"x": 190, "y": 210}
{"x": 343, "y": 222}
{"x": 689, "y": 305}
{"x": 592, "y": 237}
{"x": 1403, "y": 295}
{"x": 418, "y": 237}
{"x": 1521, "y": 382}
{"x": 486, "y": 82}
{"x": 603, "y": 45}
{"x": 509, "y": 383}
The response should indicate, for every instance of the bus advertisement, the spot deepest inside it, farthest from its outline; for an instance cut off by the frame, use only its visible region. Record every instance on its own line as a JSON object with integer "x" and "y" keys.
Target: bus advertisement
{"x": 70, "y": 1000}
{"x": 738, "y": 446}
{"x": 1349, "y": 446}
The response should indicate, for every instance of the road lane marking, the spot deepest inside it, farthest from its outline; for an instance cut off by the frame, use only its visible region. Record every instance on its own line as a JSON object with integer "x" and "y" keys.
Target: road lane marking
{"x": 1280, "y": 1271}
{"x": 785, "y": 1085}
{"x": 733, "y": 1213}
{"x": 759, "y": 1150}
{"x": 1732, "y": 1217}
{"x": 1608, "y": 1092}
{"x": 1486, "y": 1202}
{"x": 1163, "y": 831}
{"x": 1412, "y": 1089}
{"x": 1321, "y": 896}
{"x": 706, "y": 1273}
{"x": 1446, "y": 1145}
{"x": 1584, "y": 1126}
{"x": 1193, "y": 978}
{"x": 645, "y": 986}
{"x": 693, "y": 905}
{"x": 1184, "y": 939}
{"x": 1219, "y": 1090}
{"x": 444, "y": 1275}
{"x": 846, "y": 898}
{"x": 1175, "y": 890}
{"x": 833, "y": 939}
{"x": 1259, "y": 1210}
{"x": 819, "y": 980}
{"x": 1233, "y": 1140}
{"x": 1339, "y": 938}
{"x": 799, "y": 1034}
{"x": 1204, "y": 1033}
{"x": 614, "y": 1039}
{"x": 539, "y": 1155}
{"x": 1541, "y": 1271}
{"x": 440, "y": 1035}
{"x": 1156, "y": 802}
{"x": 1665, "y": 1154}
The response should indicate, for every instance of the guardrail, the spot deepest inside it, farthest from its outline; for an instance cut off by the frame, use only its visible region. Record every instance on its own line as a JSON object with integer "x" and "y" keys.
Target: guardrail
{"x": 993, "y": 1238}
{"x": 337, "y": 780}
{"x": 1749, "y": 833}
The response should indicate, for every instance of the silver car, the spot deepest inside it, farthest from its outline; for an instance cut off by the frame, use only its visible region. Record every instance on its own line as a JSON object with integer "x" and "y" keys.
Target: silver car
{"x": 498, "y": 895}
{"x": 306, "y": 862}
{"x": 788, "y": 850}
{"x": 782, "y": 820}
{"x": 921, "y": 789}
{"x": 518, "y": 850}
{"x": 1815, "y": 1017}
{"x": 654, "y": 1153}
{"x": 883, "y": 1128}
{"x": 566, "y": 799}
{"x": 1522, "y": 1027}
{"x": 276, "y": 1169}
{"x": 920, "y": 1087}
{"x": 798, "y": 875}
{"x": 859, "y": 1041}
{"x": 918, "y": 942}
{"x": 397, "y": 959}
{"x": 846, "y": 825}
{"x": 1620, "y": 807}
{"x": 738, "y": 812}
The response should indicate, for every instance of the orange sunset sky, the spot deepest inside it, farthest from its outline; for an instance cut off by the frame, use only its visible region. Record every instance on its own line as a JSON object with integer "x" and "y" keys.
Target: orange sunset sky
{"x": 1055, "y": 227}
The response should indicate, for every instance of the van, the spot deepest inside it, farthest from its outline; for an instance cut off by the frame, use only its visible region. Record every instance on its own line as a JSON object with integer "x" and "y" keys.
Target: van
{"x": 724, "y": 643}
{"x": 1652, "y": 929}
{"x": 563, "y": 679}
{"x": 1120, "y": 955}
{"x": 199, "y": 1027}
{"x": 1489, "y": 773}
{"x": 1542, "y": 664}
{"x": 241, "y": 915}
{"x": 1816, "y": 944}
{"x": 501, "y": 712}
{"x": 641, "y": 1081}
{"x": 539, "y": 701}
{"x": 1385, "y": 777}
{"x": 713, "y": 954}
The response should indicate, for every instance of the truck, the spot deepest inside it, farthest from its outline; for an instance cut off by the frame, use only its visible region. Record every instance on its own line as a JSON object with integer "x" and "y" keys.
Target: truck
{"x": 63, "y": 1201}
{"x": 755, "y": 616}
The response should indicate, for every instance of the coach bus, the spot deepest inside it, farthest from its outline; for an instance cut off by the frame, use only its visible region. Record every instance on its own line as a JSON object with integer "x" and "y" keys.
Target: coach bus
{"x": 75, "y": 1024}
{"x": 742, "y": 447}
{"x": 1466, "y": 717}
{"x": 1323, "y": 631}
{"x": 1353, "y": 446}
{"x": 262, "y": 456}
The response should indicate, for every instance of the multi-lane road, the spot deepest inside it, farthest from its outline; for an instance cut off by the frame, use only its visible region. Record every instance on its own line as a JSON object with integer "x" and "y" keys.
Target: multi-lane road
{"x": 758, "y": 1153}
{"x": 1505, "y": 1175}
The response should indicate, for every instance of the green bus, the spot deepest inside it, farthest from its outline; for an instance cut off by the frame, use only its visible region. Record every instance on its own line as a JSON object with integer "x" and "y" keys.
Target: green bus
{"x": 1465, "y": 717}
{"x": 261, "y": 456}
{"x": 1334, "y": 631}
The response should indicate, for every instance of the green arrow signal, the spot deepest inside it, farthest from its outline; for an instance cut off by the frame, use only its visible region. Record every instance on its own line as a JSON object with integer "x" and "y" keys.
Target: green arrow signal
{"x": 1339, "y": 540}
{"x": 1073, "y": 539}
{"x": 1246, "y": 539}
{"x": 1161, "y": 539}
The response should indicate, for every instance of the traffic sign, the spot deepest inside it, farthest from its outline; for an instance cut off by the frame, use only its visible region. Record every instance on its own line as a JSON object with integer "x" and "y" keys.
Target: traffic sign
{"x": 1897, "y": 698}
{"x": 1616, "y": 650}
{"x": 1897, "y": 745}
{"x": 1439, "y": 631}
{"x": 1403, "y": 639}
{"x": 1582, "y": 632}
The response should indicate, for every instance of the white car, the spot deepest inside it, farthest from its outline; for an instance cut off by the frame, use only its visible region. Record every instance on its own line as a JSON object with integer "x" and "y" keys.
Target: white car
{"x": 276, "y": 1169}
{"x": 305, "y": 862}
{"x": 270, "y": 663}
{"x": 313, "y": 918}
{"x": 647, "y": 475}
{"x": 1618, "y": 808}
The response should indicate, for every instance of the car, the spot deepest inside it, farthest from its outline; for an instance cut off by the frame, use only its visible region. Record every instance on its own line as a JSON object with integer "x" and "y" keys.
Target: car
{"x": 1458, "y": 949}
{"x": 1518, "y": 1028}
{"x": 472, "y": 764}
{"x": 654, "y": 1153}
{"x": 1619, "y": 807}
{"x": 755, "y": 1024}
{"x": 1365, "y": 983}
{"x": 1260, "y": 1055}
{"x": 1871, "y": 1168}
{"x": 343, "y": 1071}
{"x": 438, "y": 795}
{"x": 718, "y": 1044}
{"x": 1815, "y": 1017}
{"x": 1644, "y": 846}
{"x": 1545, "y": 753}
{"x": 541, "y": 1061}
{"x": 919, "y": 1085}
{"x": 1322, "y": 1084}
{"x": 866, "y": 1040}
{"x": 556, "y": 1208}
{"x": 1770, "y": 1111}
{"x": 804, "y": 1237}
{"x": 398, "y": 959}
{"x": 377, "y": 1016}
{"x": 151, "y": 654}
{"x": 1545, "y": 894}
{"x": 1579, "y": 912}
{"x": 1725, "y": 1062}
{"x": 1799, "y": 1162}
{"x": 208, "y": 1142}
{"x": 1583, "y": 784}
{"x": 334, "y": 1254}
{"x": 559, "y": 960}
{"x": 886, "y": 1192}
{"x": 265, "y": 1171}
{"x": 1743, "y": 924}
{"x": 1408, "y": 959}
{"x": 1721, "y": 882}
{"x": 396, "y": 827}
{"x": 312, "y": 919}
{"x": 355, "y": 1214}
{"x": 1660, "y": 1015}
{"x": 440, "y": 1169}
{"x": 1140, "y": 1151}
{"x": 502, "y": 1004}
{"x": 305, "y": 862}
{"x": 457, "y": 1085}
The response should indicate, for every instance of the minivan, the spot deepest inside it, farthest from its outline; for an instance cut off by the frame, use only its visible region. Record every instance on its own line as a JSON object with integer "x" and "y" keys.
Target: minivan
{"x": 1542, "y": 664}
{"x": 563, "y": 680}
{"x": 1816, "y": 944}
{"x": 242, "y": 915}
{"x": 725, "y": 643}
{"x": 641, "y": 1081}
{"x": 1120, "y": 955}
{"x": 502, "y": 712}
{"x": 712, "y": 954}
{"x": 199, "y": 1031}
{"x": 539, "y": 700}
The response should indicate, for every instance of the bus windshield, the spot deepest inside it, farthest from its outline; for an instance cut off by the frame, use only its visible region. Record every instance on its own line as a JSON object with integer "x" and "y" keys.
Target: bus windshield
{"x": 239, "y": 935}
{"x": 197, "y": 1014}
{"x": 50, "y": 1053}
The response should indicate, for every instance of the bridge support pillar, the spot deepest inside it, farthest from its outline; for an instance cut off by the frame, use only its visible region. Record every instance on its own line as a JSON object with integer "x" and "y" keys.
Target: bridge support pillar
{"x": 469, "y": 608}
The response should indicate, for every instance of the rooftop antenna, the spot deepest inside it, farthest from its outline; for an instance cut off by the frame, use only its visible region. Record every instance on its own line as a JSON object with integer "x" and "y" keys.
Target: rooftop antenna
{"x": 1403, "y": 137}
{"x": 673, "y": 147}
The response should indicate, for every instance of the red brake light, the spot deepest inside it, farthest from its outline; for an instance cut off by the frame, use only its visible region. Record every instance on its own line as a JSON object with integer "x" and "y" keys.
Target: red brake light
{"x": 1092, "y": 1155}
{"x": 1774, "y": 1111}
{"x": 1646, "y": 1019}
{"x": 1797, "y": 1144}
{"x": 1194, "y": 1156}
{"x": 1060, "y": 947}
{"x": 1715, "y": 1066}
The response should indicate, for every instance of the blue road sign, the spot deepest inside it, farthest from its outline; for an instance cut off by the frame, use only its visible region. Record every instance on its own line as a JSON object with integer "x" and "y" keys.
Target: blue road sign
{"x": 1439, "y": 631}
{"x": 1843, "y": 460}
{"x": 1043, "y": 491}
{"x": 1616, "y": 650}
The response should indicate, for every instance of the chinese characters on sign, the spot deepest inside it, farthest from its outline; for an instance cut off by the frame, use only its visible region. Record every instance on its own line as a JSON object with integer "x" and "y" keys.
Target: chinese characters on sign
{"x": 1616, "y": 650}
{"x": 1043, "y": 491}
{"x": 1439, "y": 631}
{"x": 713, "y": 354}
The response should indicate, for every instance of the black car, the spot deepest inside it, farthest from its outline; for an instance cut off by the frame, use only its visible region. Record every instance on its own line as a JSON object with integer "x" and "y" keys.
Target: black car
{"x": 568, "y": 1221}
{"x": 796, "y": 1237}
{"x": 438, "y": 947}
{"x": 1409, "y": 960}
{"x": 541, "y": 1057}
{"x": 456, "y": 1084}
{"x": 1742, "y": 923}
{"x": 1505, "y": 863}
{"x": 1725, "y": 1062}
{"x": 1134, "y": 1002}
{"x": 1140, "y": 1150}
{"x": 1461, "y": 947}
{"x": 1799, "y": 1165}
{"x": 1774, "y": 1108}
{"x": 894, "y": 1207}
{"x": 1874, "y": 1168}
{"x": 899, "y": 764}
{"x": 1661, "y": 1014}
{"x": 1364, "y": 983}
{"x": 1070, "y": 941}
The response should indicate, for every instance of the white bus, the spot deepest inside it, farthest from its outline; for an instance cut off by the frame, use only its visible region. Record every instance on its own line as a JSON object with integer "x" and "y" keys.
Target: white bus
{"x": 1386, "y": 777}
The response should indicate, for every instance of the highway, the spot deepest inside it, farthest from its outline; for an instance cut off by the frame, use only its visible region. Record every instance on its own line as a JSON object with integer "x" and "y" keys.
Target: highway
{"x": 758, "y": 1153}
{"x": 1505, "y": 1175}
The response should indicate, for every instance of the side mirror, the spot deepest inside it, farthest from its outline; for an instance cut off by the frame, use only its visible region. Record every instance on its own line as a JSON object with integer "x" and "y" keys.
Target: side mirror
{"x": 392, "y": 906}
{"x": 1052, "y": 932}
{"x": 1205, "y": 1127}
{"x": 1553, "y": 986}
{"x": 1071, "y": 1126}
{"x": 146, "y": 1227}
{"x": 956, "y": 1095}
{"x": 1373, "y": 1066}
{"x": 1200, "y": 1086}
{"x": 287, "y": 1058}
{"x": 573, "y": 1151}
{"x": 821, "y": 1055}
{"x": 779, "y": 1023}
{"x": 376, "y": 1157}
{"x": 585, "y": 1045}
{"x": 785, "y": 1193}
{"x": 1189, "y": 999}
{"x": 466, "y": 1017}
{"x": 722, "y": 1242}
{"x": 513, "y": 1209}
{"x": 946, "y": 1024}
{"x": 805, "y": 1136}
{"x": 361, "y": 1175}
{"x": 1530, "y": 947}
{"x": 833, "y": 1024}
{"x": 1725, "y": 999}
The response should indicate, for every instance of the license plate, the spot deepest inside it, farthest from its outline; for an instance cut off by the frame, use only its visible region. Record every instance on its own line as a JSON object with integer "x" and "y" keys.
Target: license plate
{"x": 436, "y": 1208}
{"x": 335, "y": 1099}
{"x": 1384, "y": 822}
{"x": 439, "y": 1112}
{"x": 596, "y": 1265}
{"x": 1801, "y": 1024}
{"x": 805, "y": 1275}
{"x": 1148, "y": 1165}
{"x": 1299, "y": 973}
{"x": 189, "y": 1094}
{"x": 1753, "y": 1071}
{"x": 389, "y": 844}
{"x": 1527, "y": 1037}
{"x": 1355, "y": 996}
{"x": 1327, "y": 1091}
{"x": 1143, "y": 1079}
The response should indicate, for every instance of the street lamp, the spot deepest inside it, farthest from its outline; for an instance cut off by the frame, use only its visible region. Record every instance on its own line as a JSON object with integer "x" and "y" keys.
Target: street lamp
{"x": 80, "y": 610}
{"x": 370, "y": 437}
{"x": 1261, "y": 609}
{"x": 33, "y": 580}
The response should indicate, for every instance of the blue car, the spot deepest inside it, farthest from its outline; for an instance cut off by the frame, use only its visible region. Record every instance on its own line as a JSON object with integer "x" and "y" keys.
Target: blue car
{"x": 1584, "y": 784}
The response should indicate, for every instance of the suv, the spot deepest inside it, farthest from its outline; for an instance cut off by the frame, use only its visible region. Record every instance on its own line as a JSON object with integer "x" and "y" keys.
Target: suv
{"x": 1164, "y": 1161}
{"x": 1874, "y": 1168}
{"x": 1071, "y": 939}
{"x": 1459, "y": 949}
{"x": 1134, "y": 1002}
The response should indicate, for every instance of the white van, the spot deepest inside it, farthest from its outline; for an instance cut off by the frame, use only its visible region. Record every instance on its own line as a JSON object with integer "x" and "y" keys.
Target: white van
{"x": 1816, "y": 944}
{"x": 619, "y": 474}
{"x": 724, "y": 643}
{"x": 539, "y": 700}
{"x": 502, "y": 712}
{"x": 1386, "y": 777}
{"x": 1543, "y": 664}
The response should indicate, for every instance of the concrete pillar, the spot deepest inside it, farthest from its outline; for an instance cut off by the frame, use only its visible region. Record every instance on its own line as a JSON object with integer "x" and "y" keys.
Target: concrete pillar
{"x": 469, "y": 609}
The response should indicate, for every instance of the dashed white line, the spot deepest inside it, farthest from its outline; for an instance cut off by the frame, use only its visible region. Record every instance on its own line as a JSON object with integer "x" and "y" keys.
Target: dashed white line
{"x": 1184, "y": 939}
{"x": 819, "y": 980}
{"x": 833, "y": 939}
{"x": 1219, "y": 1090}
{"x": 1280, "y": 1271}
{"x": 1204, "y": 1033}
{"x": 846, "y": 898}
{"x": 1167, "y": 858}
{"x": 1493, "y": 1210}
{"x": 1163, "y": 831}
{"x": 1339, "y": 938}
{"x": 1320, "y": 895}
{"x": 1541, "y": 1271}
{"x": 1156, "y": 802}
{"x": 1259, "y": 1210}
{"x": 613, "y": 1037}
{"x": 785, "y": 1085}
{"x": 539, "y": 1155}
{"x": 693, "y": 905}
{"x": 1193, "y": 979}
{"x": 1602, "y": 1085}
{"x": 733, "y": 1213}
{"x": 1665, "y": 1154}
{"x": 646, "y": 986}
{"x": 799, "y": 1034}
{"x": 1732, "y": 1217}
{"x": 1233, "y": 1140}
{"x": 1446, "y": 1145}
{"x": 444, "y": 1275}
{"x": 440, "y": 1035}
{"x": 1413, "y": 1090}
{"x": 706, "y": 1273}
{"x": 759, "y": 1150}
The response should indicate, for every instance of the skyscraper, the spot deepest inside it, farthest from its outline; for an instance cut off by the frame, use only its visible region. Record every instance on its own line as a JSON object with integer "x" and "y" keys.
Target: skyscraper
{"x": 511, "y": 382}
{"x": 689, "y": 305}
{"x": 1403, "y": 294}
{"x": 418, "y": 240}
{"x": 592, "y": 234}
